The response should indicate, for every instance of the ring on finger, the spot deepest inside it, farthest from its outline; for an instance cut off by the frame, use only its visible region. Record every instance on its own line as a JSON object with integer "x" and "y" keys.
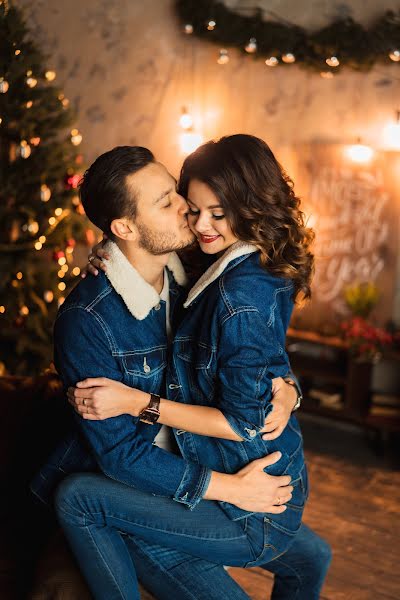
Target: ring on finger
{"x": 91, "y": 258}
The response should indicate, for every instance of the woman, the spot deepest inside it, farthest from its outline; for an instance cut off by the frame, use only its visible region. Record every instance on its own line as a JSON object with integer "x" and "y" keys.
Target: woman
{"x": 227, "y": 349}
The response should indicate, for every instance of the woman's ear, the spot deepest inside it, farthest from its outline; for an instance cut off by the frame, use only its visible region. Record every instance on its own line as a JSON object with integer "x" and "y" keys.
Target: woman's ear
{"x": 124, "y": 229}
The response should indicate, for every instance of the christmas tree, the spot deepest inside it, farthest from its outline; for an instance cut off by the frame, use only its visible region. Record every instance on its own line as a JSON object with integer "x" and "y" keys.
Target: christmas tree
{"x": 40, "y": 212}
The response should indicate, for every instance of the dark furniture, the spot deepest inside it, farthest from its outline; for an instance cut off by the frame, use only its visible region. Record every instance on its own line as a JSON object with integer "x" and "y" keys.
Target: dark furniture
{"x": 334, "y": 383}
{"x": 35, "y": 562}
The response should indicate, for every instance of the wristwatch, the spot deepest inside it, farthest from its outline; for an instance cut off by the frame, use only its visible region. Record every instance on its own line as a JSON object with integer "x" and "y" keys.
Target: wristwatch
{"x": 292, "y": 382}
{"x": 151, "y": 413}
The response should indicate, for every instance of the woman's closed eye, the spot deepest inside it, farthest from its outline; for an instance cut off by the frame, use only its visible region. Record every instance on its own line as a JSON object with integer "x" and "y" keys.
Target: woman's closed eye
{"x": 194, "y": 212}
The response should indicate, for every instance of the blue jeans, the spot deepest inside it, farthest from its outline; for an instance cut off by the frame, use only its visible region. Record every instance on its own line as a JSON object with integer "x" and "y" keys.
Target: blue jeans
{"x": 108, "y": 524}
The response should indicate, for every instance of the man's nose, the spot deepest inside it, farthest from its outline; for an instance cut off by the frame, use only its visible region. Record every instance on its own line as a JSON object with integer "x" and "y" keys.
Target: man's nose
{"x": 183, "y": 207}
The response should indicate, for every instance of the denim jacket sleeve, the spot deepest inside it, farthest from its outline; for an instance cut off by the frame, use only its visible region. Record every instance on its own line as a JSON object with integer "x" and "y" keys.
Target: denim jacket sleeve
{"x": 250, "y": 356}
{"x": 82, "y": 350}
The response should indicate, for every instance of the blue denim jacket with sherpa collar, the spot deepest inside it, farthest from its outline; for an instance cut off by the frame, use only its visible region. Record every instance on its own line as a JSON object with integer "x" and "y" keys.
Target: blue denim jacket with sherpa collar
{"x": 114, "y": 326}
{"x": 228, "y": 347}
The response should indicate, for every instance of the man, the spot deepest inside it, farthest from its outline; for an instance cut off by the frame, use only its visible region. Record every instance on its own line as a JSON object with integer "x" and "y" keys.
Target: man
{"x": 117, "y": 327}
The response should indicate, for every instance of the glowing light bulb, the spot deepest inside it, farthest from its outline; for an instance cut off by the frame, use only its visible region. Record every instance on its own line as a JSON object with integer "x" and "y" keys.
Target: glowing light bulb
{"x": 186, "y": 120}
{"x": 61, "y": 286}
{"x": 251, "y": 47}
{"x": 359, "y": 153}
{"x": 31, "y": 82}
{"x": 50, "y": 75}
{"x": 223, "y": 58}
{"x": 45, "y": 193}
{"x": 326, "y": 75}
{"x": 272, "y": 61}
{"x": 188, "y": 29}
{"x": 211, "y": 25}
{"x": 288, "y": 58}
{"x": 395, "y": 55}
{"x": 333, "y": 61}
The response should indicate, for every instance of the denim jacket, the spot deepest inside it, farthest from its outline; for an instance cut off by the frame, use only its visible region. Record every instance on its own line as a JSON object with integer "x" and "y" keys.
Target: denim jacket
{"x": 228, "y": 347}
{"x": 115, "y": 326}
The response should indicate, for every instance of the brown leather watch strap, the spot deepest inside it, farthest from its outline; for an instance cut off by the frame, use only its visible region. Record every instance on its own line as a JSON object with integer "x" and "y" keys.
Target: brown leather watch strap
{"x": 151, "y": 413}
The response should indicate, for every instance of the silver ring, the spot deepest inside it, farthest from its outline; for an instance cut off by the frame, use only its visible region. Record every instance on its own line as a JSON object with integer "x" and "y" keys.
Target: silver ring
{"x": 91, "y": 258}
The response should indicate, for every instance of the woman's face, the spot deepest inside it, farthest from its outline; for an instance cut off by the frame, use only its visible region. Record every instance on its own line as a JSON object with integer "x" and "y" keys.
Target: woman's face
{"x": 207, "y": 220}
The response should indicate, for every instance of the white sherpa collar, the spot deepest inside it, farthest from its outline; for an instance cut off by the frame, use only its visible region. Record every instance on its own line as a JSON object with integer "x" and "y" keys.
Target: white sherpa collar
{"x": 216, "y": 269}
{"x": 139, "y": 296}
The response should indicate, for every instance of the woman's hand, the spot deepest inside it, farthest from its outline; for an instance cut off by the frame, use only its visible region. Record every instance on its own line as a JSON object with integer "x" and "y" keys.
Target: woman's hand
{"x": 284, "y": 398}
{"x": 101, "y": 398}
{"x": 96, "y": 258}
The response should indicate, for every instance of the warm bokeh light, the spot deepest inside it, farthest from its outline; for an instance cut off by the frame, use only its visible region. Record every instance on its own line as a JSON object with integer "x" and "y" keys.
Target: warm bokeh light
{"x": 359, "y": 153}
{"x": 190, "y": 141}
{"x": 391, "y": 134}
{"x": 186, "y": 120}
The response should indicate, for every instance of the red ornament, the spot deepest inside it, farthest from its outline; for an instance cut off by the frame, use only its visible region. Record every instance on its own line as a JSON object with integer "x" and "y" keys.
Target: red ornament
{"x": 71, "y": 243}
{"x": 72, "y": 181}
{"x": 58, "y": 254}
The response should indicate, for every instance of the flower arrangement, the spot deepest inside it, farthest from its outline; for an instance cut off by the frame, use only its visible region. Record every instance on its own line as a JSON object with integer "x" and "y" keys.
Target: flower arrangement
{"x": 361, "y": 298}
{"x": 366, "y": 342}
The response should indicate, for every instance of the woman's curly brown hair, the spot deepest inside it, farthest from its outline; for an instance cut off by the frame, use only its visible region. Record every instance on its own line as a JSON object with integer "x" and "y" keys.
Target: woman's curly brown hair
{"x": 258, "y": 199}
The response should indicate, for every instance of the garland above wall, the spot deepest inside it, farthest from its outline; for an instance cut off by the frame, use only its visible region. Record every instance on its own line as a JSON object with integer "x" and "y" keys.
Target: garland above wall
{"x": 343, "y": 43}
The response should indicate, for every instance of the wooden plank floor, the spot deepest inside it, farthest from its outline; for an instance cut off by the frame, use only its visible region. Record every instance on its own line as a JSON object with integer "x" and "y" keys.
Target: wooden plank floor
{"x": 355, "y": 505}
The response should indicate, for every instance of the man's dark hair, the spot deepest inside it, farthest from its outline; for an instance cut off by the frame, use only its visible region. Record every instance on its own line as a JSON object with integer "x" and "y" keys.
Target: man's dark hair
{"x": 103, "y": 189}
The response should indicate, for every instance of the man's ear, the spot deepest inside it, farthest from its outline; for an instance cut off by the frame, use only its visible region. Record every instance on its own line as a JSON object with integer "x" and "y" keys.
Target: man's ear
{"x": 124, "y": 229}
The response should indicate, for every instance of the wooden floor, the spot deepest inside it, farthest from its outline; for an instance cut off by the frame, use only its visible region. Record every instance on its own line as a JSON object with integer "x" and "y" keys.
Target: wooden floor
{"x": 355, "y": 505}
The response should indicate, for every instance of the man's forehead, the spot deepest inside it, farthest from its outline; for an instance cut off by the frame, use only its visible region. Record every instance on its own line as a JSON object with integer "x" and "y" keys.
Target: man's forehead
{"x": 151, "y": 175}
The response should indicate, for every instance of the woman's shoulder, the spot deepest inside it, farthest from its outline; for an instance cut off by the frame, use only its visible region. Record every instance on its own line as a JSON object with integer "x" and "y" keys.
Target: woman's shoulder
{"x": 250, "y": 278}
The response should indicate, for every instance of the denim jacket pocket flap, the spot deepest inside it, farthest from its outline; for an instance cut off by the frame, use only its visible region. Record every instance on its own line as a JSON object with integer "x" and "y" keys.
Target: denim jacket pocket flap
{"x": 199, "y": 355}
{"x": 146, "y": 363}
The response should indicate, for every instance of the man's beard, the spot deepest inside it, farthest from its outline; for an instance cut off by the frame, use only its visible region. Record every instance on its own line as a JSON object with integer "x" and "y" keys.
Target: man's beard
{"x": 158, "y": 243}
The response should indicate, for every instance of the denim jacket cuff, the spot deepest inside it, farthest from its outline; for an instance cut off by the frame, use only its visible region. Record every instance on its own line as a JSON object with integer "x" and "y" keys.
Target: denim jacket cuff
{"x": 247, "y": 431}
{"x": 193, "y": 486}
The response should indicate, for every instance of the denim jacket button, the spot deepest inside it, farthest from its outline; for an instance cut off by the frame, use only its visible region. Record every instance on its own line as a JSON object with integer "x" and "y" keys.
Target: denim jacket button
{"x": 157, "y": 307}
{"x": 253, "y": 433}
{"x": 146, "y": 369}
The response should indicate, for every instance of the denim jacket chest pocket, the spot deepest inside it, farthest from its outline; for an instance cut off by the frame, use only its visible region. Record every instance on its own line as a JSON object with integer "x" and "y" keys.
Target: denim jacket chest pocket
{"x": 146, "y": 368}
{"x": 200, "y": 366}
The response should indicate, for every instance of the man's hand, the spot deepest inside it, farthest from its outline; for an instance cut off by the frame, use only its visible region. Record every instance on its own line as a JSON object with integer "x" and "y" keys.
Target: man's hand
{"x": 283, "y": 400}
{"x": 251, "y": 488}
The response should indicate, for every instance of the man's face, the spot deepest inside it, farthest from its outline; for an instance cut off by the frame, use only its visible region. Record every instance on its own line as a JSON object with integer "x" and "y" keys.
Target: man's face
{"x": 161, "y": 219}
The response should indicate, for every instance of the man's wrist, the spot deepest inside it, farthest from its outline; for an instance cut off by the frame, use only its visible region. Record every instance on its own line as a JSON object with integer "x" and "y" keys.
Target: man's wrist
{"x": 222, "y": 487}
{"x": 138, "y": 401}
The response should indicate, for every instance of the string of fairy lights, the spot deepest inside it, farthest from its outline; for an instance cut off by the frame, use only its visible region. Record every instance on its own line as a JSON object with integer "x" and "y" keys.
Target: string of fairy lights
{"x": 281, "y": 43}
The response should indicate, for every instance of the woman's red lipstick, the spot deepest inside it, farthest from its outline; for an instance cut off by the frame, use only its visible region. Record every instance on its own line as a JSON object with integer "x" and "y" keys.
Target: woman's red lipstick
{"x": 207, "y": 239}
